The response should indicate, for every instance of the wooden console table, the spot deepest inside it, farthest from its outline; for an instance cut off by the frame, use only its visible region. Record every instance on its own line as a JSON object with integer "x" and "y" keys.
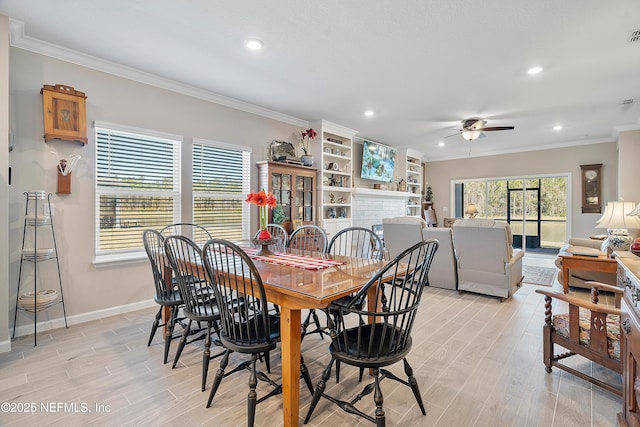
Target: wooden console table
{"x": 600, "y": 263}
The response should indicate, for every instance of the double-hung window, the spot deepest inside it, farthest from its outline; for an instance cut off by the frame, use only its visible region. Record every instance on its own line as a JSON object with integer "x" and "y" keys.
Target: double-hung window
{"x": 221, "y": 177}
{"x": 137, "y": 186}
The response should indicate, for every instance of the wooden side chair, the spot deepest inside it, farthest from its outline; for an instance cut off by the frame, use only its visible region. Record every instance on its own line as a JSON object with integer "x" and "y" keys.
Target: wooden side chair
{"x": 589, "y": 329}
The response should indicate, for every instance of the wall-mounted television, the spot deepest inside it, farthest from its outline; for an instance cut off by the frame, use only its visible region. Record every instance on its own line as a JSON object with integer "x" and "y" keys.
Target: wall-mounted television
{"x": 378, "y": 162}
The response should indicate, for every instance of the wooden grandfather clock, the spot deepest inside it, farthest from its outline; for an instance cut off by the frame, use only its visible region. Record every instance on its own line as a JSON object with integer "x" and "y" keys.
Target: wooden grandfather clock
{"x": 64, "y": 110}
{"x": 591, "y": 188}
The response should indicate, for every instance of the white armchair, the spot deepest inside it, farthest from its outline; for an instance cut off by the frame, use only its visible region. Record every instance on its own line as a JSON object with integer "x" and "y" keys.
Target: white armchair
{"x": 403, "y": 232}
{"x": 487, "y": 263}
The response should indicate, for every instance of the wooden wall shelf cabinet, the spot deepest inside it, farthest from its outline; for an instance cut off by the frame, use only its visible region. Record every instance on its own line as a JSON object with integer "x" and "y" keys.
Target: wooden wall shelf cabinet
{"x": 64, "y": 111}
{"x": 293, "y": 187}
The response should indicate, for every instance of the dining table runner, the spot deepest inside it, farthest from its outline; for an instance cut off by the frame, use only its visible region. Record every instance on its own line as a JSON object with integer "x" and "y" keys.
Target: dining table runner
{"x": 299, "y": 261}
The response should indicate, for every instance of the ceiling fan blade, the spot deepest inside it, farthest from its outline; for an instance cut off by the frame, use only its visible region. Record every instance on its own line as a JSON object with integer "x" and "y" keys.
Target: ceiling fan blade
{"x": 489, "y": 129}
{"x": 473, "y": 124}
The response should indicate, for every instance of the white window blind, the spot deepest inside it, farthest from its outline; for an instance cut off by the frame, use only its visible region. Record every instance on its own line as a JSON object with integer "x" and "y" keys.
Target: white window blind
{"x": 137, "y": 186}
{"x": 221, "y": 176}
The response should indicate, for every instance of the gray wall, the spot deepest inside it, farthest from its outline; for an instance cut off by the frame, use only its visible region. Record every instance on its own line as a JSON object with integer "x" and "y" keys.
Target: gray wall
{"x": 628, "y": 158}
{"x": 542, "y": 162}
{"x": 92, "y": 291}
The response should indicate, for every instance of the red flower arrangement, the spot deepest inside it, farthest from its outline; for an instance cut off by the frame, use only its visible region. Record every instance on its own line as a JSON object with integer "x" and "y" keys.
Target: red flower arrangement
{"x": 305, "y": 139}
{"x": 264, "y": 201}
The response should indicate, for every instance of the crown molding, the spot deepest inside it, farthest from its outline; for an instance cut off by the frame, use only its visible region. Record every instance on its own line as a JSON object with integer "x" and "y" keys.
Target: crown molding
{"x": 18, "y": 39}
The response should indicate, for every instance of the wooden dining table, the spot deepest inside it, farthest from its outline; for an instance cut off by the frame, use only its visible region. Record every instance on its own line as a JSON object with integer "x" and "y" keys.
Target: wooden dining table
{"x": 296, "y": 280}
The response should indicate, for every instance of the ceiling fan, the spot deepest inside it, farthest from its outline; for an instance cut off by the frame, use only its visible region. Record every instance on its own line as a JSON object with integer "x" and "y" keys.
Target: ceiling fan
{"x": 473, "y": 129}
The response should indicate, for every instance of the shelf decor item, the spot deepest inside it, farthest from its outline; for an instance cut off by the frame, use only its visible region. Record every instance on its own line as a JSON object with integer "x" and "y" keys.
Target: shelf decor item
{"x": 306, "y": 136}
{"x": 264, "y": 201}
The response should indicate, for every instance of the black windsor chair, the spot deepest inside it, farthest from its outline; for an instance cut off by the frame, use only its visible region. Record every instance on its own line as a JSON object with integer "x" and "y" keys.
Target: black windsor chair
{"x": 247, "y": 325}
{"x": 200, "y": 305}
{"x": 355, "y": 242}
{"x": 387, "y": 340}
{"x": 309, "y": 237}
{"x": 165, "y": 296}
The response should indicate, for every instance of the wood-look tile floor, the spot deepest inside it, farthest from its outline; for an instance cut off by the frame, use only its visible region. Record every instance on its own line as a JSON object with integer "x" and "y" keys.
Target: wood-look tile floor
{"x": 478, "y": 362}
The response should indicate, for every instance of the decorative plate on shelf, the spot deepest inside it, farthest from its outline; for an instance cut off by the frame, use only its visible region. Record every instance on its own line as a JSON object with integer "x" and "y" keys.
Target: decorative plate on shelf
{"x": 279, "y": 149}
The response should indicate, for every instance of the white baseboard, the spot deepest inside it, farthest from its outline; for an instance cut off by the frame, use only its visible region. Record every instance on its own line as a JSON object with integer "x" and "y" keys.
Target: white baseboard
{"x": 5, "y": 346}
{"x": 47, "y": 325}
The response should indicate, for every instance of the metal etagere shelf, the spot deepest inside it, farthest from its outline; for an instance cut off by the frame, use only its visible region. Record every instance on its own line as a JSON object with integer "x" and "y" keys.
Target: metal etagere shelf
{"x": 38, "y": 216}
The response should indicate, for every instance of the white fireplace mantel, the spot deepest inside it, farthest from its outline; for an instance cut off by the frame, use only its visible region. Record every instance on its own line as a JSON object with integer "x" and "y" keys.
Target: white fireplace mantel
{"x": 380, "y": 193}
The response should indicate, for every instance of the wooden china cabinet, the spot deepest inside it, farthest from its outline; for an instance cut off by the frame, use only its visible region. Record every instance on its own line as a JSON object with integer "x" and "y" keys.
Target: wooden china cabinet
{"x": 293, "y": 187}
{"x": 629, "y": 279}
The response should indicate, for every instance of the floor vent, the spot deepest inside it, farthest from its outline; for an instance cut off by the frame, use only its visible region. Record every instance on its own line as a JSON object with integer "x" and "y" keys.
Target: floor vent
{"x": 627, "y": 101}
{"x": 633, "y": 36}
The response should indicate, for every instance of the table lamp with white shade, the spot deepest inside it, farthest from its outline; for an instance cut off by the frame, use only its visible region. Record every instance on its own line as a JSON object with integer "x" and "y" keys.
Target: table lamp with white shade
{"x": 472, "y": 211}
{"x": 622, "y": 228}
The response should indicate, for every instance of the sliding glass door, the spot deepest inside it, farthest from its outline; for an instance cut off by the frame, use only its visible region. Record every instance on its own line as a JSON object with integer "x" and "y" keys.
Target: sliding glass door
{"x": 536, "y": 207}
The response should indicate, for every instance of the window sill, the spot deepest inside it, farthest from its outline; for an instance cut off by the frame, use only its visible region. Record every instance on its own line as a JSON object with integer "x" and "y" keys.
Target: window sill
{"x": 119, "y": 259}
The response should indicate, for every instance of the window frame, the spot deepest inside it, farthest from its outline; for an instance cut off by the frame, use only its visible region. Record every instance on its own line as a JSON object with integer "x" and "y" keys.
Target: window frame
{"x": 246, "y": 153}
{"x": 132, "y": 254}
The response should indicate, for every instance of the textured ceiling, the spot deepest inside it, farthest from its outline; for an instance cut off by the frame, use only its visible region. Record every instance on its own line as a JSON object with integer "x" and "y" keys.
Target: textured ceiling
{"x": 421, "y": 66}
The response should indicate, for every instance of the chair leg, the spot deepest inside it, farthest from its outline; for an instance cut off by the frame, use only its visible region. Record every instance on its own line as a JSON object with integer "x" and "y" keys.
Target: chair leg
{"x": 267, "y": 361}
{"x": 155, "y": 325}
{"x": 305, "y": 375}
{"x": 379, "y": 400}
{"x": 547, "y": 348}
{"x": 253, "y": 396}
{"x": 337, "y": 371}
{"x": 316, "y": 320}
{"x": 206, "y": 356}
{"x": 169, "y": 334}
{"x": 219, "y": 375}
{"x": 183, "y": 341}
{"x": 414, "y": 385}
{"x": 319, "y": 390}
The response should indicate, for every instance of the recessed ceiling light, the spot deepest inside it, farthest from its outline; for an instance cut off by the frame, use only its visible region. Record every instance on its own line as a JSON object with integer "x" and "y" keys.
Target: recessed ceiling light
{"x": 557, "y": 127}
{"x": 534, "y": 70}
{"x": 441, "y": 144}
{"x": 369, "y": 113}
{"x": 253, "y": 44}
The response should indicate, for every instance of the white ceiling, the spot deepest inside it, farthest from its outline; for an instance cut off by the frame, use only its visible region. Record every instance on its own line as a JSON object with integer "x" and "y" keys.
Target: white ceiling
{"x": 422, "y": 66}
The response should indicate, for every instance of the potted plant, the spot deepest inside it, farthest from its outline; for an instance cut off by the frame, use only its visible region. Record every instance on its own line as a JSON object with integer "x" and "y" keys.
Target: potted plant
{"x": 277, "y": 216}
{"x": 305, "y": 143}
{"x": 428, "y": 196}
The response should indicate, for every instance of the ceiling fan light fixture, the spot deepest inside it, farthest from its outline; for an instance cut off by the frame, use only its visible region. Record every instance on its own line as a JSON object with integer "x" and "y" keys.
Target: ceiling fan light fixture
{"x": 534, "y": 70}
{"x": 471, "y": 135}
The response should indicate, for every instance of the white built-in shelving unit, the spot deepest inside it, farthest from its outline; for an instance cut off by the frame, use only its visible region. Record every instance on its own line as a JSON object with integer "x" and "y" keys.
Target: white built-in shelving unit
{"x": 413, "y": 178}
{"x": 333, "y": 148}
